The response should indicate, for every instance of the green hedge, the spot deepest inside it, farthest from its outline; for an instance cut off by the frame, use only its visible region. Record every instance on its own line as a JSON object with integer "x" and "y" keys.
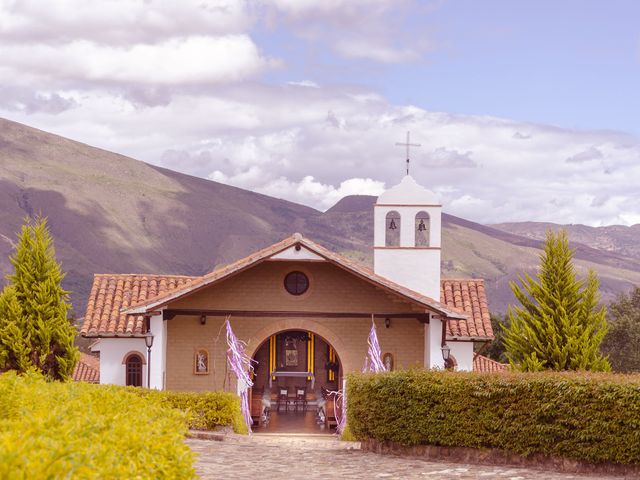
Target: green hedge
{"x": 79, "y": 430}
{"x": 204, "y": 410}
{"x": 592, "y": 417}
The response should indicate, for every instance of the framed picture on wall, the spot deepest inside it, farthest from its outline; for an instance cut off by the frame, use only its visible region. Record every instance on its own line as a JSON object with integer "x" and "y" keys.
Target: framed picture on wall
{"x": 387, "y": 360}
{"x": 201, "y": 361}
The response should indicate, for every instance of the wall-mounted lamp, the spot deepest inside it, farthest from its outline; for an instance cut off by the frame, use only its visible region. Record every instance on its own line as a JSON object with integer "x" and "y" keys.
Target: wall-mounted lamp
{"x": 203, "y": 319}
{"x": 446, "y": 352}
{"x": 387, "y": 322}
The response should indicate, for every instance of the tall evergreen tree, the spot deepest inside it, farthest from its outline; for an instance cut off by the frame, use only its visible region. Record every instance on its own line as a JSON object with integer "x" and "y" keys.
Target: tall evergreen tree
{"x": 34, "y": 329}
{"x": 622, "y": 342}
{"x": 559, "y": 324}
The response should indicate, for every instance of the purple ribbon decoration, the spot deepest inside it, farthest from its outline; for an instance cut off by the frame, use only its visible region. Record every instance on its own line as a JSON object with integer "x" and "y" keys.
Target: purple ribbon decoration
{"x": 241, "y": 365}
{"x": 373, "y": 360}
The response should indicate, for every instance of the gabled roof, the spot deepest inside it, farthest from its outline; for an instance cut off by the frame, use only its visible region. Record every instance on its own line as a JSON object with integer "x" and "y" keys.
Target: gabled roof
{"x": 117, "y": 303}
{"x": 296, "y": 239}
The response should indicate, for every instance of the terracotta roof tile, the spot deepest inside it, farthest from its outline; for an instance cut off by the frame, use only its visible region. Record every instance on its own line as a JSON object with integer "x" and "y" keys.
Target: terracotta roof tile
{"x": 110, "y": 294}
{"x": 87, "y": 369}
{"x": 486, "y": 364}
{"x": 467, "y": 295}
{"x": 117, "y": 302}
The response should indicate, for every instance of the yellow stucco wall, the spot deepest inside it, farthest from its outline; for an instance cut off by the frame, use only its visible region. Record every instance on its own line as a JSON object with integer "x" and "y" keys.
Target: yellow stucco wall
{"x": 261, "y": 288}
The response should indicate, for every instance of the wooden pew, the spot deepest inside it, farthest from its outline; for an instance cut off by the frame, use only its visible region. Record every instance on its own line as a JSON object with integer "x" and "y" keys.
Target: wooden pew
{"x": 330, "y": 419}
{"x": 255, "y": 405}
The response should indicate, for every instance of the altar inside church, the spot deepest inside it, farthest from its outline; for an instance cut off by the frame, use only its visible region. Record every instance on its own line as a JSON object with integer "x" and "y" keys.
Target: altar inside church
{"x": 295, "y": 359}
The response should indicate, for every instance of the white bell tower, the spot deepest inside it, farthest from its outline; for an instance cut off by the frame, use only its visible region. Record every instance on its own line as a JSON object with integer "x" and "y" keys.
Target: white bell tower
{"x": 407, "y": 233}
{"x": 406, "y": 249}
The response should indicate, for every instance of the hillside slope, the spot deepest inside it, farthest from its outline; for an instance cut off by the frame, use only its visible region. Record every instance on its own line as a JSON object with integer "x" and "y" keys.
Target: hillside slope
{"x": 618, "y": 239}
{"x": 112, "y": 214}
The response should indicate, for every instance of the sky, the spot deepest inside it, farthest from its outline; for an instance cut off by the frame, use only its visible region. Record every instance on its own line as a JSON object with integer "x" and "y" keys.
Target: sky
{"x": 525, "y": 111}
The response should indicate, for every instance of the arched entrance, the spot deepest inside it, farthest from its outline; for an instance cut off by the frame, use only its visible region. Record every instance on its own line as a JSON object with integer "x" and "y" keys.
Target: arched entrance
{"x": 294, "y": 370}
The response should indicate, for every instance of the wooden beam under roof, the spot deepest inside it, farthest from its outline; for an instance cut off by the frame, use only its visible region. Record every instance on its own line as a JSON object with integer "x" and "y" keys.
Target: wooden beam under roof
{"x": 197, "y": 312}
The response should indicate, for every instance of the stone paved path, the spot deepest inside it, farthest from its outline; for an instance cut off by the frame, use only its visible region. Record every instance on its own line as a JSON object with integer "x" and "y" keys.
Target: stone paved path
{"x": 324, "y": 457}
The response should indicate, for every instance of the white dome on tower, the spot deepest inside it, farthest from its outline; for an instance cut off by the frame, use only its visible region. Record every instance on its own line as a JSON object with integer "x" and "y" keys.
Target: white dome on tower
{"x": 408, "y": 192}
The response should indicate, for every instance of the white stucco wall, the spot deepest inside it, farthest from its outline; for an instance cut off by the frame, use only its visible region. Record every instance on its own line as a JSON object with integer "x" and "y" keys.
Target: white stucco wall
{"x": 418, "y": 270}
{"x": 415, "y": 268}
{"x": 463, "y": 352}
{"x": 158, "y": 352}
{"x": 112, "y": 353}
{"x": 433, "y": 347}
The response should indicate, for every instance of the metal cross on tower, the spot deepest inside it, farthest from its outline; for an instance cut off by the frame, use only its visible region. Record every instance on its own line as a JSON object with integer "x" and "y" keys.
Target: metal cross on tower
{"x": 408, "y": 144}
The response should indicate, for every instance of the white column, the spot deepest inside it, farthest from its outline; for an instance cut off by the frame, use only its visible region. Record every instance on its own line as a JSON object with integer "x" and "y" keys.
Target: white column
{"x": 407, "y": 226}
{"x": 379, "y": 226}
{"x": 435, "y": 341}
{"x": 158, "y": 352}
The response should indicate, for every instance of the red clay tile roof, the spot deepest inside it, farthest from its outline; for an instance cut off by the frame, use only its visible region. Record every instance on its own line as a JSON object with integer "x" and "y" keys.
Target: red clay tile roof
{"x": 87, "y": 369}
{"x": 110, "y": 294}
{"x": 486, "y": 364}
{"x": 467, "y": 295}
{"x": 117, "y": 302}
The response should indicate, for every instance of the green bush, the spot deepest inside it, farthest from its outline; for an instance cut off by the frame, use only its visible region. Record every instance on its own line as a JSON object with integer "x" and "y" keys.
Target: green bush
{"x": 79, "y": 430}
{"x": 204, "y": 410}
{"x": 592, "y": 417}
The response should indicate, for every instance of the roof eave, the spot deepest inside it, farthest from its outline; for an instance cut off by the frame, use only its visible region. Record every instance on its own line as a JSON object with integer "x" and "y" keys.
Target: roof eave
{"x": 112, "y": 335}
{"x": 463, "y": 338}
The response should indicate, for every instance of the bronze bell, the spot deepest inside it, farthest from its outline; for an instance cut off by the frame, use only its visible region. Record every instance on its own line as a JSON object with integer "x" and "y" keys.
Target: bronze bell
{"x": 392, "y": 225}
{"x": 421, "y": 226}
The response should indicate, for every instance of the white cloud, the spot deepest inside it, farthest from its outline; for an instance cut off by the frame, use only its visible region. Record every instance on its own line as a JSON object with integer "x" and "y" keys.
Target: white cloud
{"x": 592, "y": 153}
{"x": 304, "y": 83}
{"x": 145, "y": 50}
{"x": 356, "y": 29}
{"x": 307, "y": 190}
{"x": 184, "y": 90}
{"x": 176, "y": 61}
{"x": 443, "y": 157}
{"x": 313, "y": 145}
{"x": 362, "y": 48}
{"x": 334, "y": 10}
{"x": 122, "y": 22}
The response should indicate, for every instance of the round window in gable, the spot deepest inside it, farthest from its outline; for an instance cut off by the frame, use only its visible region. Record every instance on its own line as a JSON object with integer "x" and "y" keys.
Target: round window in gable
{"x": 296, "y": 283}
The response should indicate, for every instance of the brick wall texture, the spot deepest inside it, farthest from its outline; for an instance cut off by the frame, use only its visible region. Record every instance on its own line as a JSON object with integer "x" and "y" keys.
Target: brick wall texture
{"x": 262, "y": 288}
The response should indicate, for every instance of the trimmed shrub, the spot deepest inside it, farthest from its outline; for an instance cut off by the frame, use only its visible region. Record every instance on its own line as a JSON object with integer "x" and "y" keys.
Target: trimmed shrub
{"x": 204, "y": 410}
{"x": 584, "y": 416}
{"x": 79, "y": 430}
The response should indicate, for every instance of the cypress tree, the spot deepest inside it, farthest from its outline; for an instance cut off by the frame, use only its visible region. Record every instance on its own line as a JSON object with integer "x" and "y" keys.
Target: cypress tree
{"x": 559, "y": 323}
{"x": 34, "y": 330}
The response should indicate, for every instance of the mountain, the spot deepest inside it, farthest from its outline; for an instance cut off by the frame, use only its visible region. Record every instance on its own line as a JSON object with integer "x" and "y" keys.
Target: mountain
{"x": 617, "y": 239}
{"x": 111, "y": 214}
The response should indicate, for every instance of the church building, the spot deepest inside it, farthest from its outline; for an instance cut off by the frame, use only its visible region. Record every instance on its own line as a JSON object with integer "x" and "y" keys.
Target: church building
{"x": 303, "y": 311}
